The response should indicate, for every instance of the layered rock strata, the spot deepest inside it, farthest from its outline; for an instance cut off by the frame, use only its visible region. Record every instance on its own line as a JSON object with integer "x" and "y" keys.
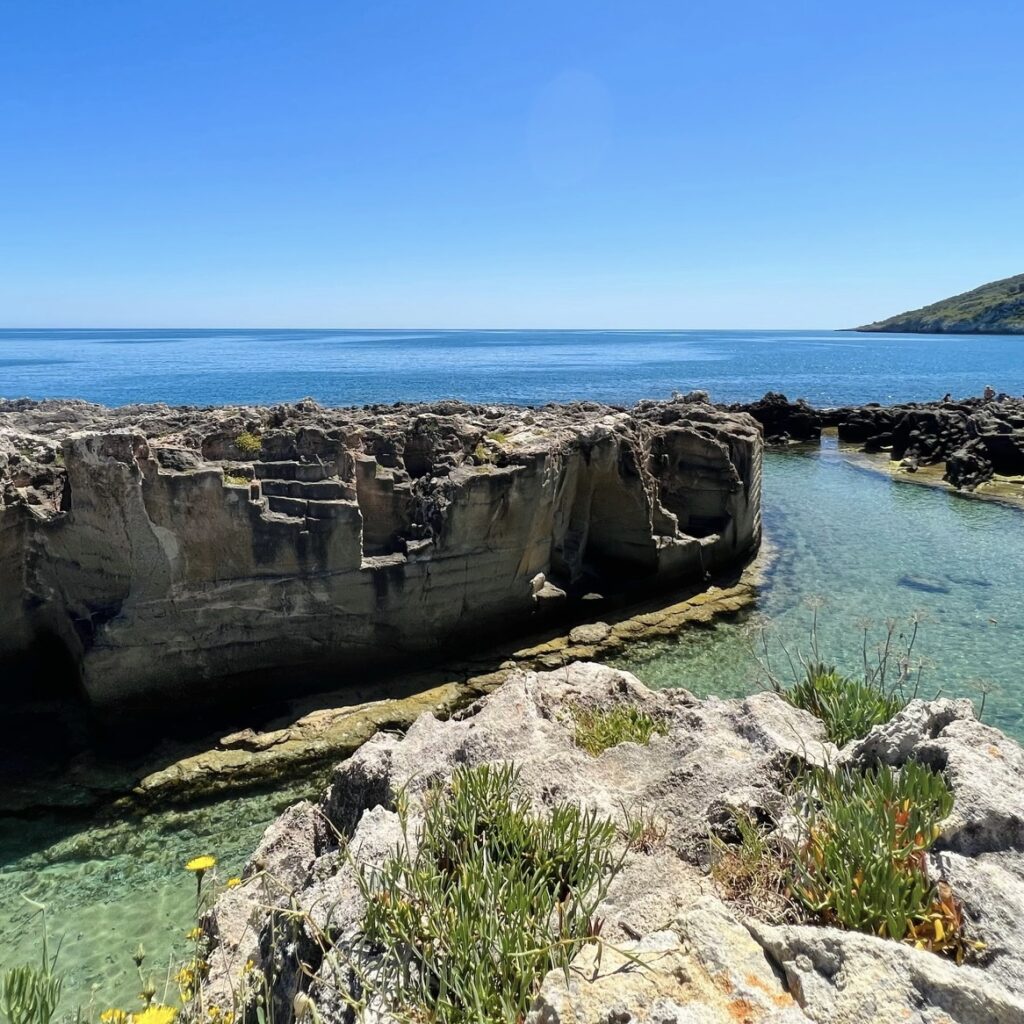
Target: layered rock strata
{"x": 975, "y": 439}
{"x": 672, "y": 947}
{"x": 163, "y": 550}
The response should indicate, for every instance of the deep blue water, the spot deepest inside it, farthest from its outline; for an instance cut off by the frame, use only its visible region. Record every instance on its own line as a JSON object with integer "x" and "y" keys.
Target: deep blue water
{"x": 207, "y": 367}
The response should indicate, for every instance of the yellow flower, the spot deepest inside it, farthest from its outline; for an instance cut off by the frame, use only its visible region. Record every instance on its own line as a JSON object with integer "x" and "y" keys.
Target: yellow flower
{"x": 155, "y": 1014}
{"x": 201, "y": 863}
{"x": 194, "y": 935}
{"x": 114, "y": 1016}
{"x": 233, "y": 883}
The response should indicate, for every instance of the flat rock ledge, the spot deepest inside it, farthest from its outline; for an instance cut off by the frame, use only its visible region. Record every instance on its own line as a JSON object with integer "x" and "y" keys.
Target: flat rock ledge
{"x": 672, "y": 949}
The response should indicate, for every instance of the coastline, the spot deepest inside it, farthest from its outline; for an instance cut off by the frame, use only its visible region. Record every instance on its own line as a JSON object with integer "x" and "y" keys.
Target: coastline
{"x": 1006, "y": 490}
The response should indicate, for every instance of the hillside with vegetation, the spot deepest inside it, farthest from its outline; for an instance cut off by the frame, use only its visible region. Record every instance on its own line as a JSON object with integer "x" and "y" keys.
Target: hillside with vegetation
{"x": 994, "y": 308}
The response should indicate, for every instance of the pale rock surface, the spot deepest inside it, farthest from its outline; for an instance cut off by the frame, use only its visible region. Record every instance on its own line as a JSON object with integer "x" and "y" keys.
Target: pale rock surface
{"x": 172, "y": 553}
{"x": 700, "y": 960}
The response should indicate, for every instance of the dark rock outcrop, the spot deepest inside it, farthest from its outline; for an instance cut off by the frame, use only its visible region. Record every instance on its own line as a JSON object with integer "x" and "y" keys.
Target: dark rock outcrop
{"x": 165, "y": 549}
{"x": 976, "y": 438}
{"x": 783, "y": 420}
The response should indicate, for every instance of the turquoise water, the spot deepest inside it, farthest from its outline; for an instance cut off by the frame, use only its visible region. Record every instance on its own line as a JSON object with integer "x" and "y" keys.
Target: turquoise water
{"x": 525, "y": 367}
{"x": 865, "y": 549}
{"x": 110, "y": 885}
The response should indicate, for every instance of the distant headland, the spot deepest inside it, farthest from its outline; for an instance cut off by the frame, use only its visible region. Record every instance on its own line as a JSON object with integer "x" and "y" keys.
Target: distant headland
{"x": 994, "y": 308}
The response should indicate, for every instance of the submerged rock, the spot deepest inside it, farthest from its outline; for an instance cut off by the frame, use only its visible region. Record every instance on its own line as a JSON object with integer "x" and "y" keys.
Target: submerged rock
{"x": 671, "y": 949}
{"x": 166, "y": 553}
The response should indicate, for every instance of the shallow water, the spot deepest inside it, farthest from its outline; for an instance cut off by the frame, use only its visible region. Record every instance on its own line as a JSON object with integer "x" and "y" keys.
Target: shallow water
{"x": 523, "y": 367}
{"x": 109, "y": 886}
{"x": 868, "y": 548}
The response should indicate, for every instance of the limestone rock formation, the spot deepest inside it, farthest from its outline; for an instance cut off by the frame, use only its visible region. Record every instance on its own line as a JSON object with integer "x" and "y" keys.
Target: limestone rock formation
{"x": 163, "y": 549}
{"x": 672, "y": 950}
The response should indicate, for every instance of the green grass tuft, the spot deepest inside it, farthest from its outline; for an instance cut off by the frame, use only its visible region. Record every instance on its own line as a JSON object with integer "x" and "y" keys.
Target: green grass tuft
{"x": 466, "y": 921}
{"x": 596, "y": 731}
{"x": 850, "y": 708}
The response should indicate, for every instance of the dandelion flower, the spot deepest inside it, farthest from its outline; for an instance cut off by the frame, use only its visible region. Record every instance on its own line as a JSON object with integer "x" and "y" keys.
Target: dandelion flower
{"x": 155, "y": 1014}
{"x": 233, "y": 883}
{"x": 114, "y": 1016}
{"x": 201, "y": 864}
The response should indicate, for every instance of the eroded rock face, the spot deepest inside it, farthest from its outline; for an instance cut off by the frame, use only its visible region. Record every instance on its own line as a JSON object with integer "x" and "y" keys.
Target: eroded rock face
{"x": 167, "y": 548}
{"x": 673, "y": 950}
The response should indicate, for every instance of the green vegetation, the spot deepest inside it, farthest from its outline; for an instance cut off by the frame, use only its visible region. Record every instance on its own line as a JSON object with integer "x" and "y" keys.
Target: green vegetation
{"x": 851, "y": 707}
{"x": 483, "y": 455}
{"x": 848, "y": 707}
{"x": 861, "y": 862}
{"x": 642, "y": 830}
{"x": 248, "y": 443}
{"x": 597, "y": 730}
{"x": 496, "y": 436}
{"x": 237, "y": 479}
{"x": 751, "y": 872}
{"x": 490, "y": 897}
{"x": 30, "y": 994}
{"x": 994, "y": 308}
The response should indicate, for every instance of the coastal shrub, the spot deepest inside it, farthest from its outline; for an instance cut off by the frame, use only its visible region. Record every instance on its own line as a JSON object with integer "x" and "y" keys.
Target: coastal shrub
{"x": 597, "y": 730}
{"x": 861, "y": 861}
{"x": 850, "y": 708}
{"x": 249, "y": 443}
{"x": 463, "y": 923}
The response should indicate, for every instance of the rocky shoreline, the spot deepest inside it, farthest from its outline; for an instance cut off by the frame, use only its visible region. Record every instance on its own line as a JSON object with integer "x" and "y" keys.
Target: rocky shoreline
{"x": 975, "y": 441}
{"x": 189, "y": 555}
{"x": 673, "y": 944}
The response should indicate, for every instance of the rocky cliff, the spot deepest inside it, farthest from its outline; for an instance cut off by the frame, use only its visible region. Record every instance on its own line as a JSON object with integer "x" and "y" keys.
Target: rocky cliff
{"x": 993, "y": 308}
{"x": 166, "y": 551}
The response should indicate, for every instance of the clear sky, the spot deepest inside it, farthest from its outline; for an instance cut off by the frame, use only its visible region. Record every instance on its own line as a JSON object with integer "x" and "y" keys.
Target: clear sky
{"x": 505, "y": 164}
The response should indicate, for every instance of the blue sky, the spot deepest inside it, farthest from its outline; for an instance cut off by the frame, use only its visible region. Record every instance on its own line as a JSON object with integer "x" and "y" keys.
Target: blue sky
{"x": 485, "y": 164}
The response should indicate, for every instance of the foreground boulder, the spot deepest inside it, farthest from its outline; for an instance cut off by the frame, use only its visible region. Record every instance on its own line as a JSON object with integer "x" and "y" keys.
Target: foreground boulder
{"x": 162, "y": 549}
{"x": 671, "y": 947}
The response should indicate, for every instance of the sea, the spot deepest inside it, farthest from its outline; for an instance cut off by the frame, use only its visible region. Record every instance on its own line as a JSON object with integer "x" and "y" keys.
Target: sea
{"x": 214, "y": 367}
{"x": 855, "y": 551}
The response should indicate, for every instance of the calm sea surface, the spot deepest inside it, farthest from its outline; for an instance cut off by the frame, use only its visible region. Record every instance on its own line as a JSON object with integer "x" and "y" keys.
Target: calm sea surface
{"x": 523, "y": 367}
{"x": 862, "y": 546}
